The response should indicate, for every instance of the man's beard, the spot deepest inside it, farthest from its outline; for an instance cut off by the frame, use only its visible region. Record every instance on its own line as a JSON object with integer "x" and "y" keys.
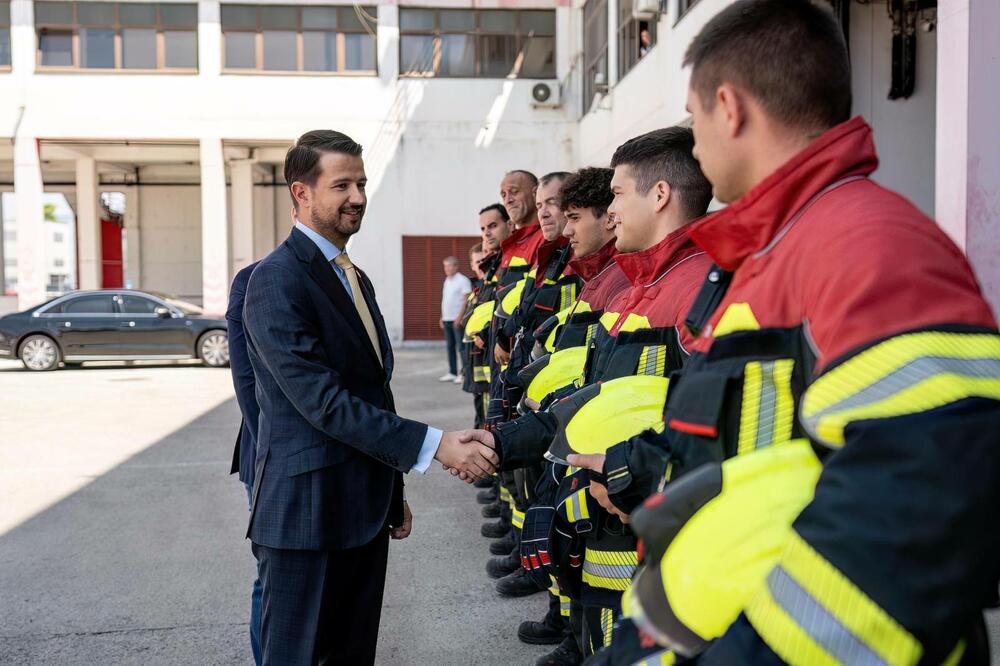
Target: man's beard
{"x": 327, "y": 221}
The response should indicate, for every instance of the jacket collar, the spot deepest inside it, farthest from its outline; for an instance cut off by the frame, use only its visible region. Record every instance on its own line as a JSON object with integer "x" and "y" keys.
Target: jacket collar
{"x": 589, "y": 266}
{"x": 547, "y": 250}
{"x": 751, "y": 222}
{"x": 520, "y": 236}
{"x": 643, "y": 267}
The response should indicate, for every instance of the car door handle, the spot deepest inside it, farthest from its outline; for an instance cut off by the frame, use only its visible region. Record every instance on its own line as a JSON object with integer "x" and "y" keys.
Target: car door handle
{"x": 67, "y": 324}
{"x": 130, "y": 323}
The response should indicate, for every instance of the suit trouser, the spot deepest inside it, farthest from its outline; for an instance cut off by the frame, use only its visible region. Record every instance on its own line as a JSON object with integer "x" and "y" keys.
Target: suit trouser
{"x": 322, "y": 607}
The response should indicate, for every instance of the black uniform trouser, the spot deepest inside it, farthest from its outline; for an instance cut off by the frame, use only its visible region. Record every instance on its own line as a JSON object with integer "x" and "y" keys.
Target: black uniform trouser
{"x": 322, "y": 606}
{"x": 479, "y": 404}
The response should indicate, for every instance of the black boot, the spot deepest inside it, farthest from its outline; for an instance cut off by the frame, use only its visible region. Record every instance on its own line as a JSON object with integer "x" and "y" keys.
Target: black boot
{"x": 567, "y": 654}
{"x": 517, "y": 584}
{"x": 491, "y": 510}
{"x": 488, "y": 496}
{"x": 496, "y": 530}
{"x": 550, "y": 631}
{"x": 498, "y": 567}
{"x": 505, "y": 545}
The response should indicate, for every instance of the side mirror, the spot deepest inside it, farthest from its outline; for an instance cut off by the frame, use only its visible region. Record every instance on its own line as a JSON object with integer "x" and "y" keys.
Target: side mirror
{"x": 163, "y": 313}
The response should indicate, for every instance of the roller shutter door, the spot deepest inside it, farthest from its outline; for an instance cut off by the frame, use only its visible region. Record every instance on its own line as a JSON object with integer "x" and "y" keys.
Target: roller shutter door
{"x": 423, "y": 278}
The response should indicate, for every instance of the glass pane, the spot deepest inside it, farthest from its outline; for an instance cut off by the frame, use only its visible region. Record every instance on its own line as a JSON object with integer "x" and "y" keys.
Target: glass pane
{"x": 97, "y": 47}
{"x": 139, "y": 48}
{"x": 416, "y": 19}
{"x": 4, "y": 13}
{"x": 416, "y": 54}
{"x": 279, "y": 17}
{"x": 240, "y": 48}
{"x": 319, "y": 51}
{"x": 349, "y": 20}
{"x": 138, "y": 305}
{"x": 181, "y": 48}
{"x": 359, "y": 51}
{"x": 319, "y": 17}
{"x": 540, "y": 23}
{"x": 57, "y": 48}
{"x": 539, "y": 58}
{"x": 4, "y": 47}
{"x": 497, "y": 21}
{"x": 90, "y": 305}
{"x": 95, "y": 13}
{"x": 624, "y": 12}
{"x": 458, "y": 55}
{"x": 496, "y": 55}
{"x": 239, "y": 16}
{"x": 179, "y": 16}
{"x": 458, "y": 20}
{"x": 279, "y": 50}
{"x": 53, "y": 13}
{"x": 134, "y": 13}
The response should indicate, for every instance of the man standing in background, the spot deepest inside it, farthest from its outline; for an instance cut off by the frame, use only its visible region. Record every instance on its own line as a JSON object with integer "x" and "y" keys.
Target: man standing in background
{"x": 454, "y": 295}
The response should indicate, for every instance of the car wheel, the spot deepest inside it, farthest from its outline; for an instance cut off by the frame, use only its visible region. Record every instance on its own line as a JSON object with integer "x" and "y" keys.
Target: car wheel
{"x": 213, "y": 349}
{"x": 40, "y": 353}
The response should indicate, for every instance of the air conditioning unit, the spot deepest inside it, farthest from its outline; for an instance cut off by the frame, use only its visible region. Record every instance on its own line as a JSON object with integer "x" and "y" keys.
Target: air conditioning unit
{"x": 546, "y": 96}
{"x": 646, "y": 10}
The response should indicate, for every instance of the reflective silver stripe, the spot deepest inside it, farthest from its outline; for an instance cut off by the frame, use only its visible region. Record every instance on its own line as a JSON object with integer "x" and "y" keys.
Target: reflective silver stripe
{"x": 768, "y": 400}
{"x": 652, "y": 355}
{"x": 618, "y": 571}
{"x": 821, "y": 625}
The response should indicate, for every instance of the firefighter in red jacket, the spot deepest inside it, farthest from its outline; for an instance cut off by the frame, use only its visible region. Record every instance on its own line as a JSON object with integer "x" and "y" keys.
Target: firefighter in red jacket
{"x": 837, "y": 312}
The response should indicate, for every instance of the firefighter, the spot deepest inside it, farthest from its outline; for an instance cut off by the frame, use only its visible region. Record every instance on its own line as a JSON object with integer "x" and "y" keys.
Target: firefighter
{"x": 838, "y": 312}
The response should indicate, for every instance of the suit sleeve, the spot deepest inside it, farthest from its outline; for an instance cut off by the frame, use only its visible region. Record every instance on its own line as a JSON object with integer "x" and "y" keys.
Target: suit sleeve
{"x": 239, "y": 359}
{"x": 280, "y": 323}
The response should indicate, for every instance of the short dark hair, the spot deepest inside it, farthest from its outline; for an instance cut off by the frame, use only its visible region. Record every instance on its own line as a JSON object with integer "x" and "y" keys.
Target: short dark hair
{"x": 666, "y": 154}
{"x": 561, "y": 176}
{"x": 478, "y": 247}
{"x": 588, "y": 188}
{"x": 532, "y": 178}
{"x": 789, "y": 54}
{"x": 498, "y": 208}
{"x": 302, "y": 159}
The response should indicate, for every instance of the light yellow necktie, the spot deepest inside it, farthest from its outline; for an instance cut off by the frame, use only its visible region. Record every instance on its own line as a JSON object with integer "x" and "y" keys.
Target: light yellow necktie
{"x": 344, "y": 262}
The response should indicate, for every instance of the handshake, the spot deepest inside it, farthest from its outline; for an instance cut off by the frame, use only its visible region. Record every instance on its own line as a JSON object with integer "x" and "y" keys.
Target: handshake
{"x": 468, "y": 454}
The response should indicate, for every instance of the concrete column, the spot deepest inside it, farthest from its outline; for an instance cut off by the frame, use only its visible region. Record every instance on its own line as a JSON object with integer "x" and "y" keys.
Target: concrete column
{"x": 22, "y": 38}
{"x": 242, "y": 213}
{"x": 215, "y": 266}
{"x": 32, "y": 271}
{"x": 133, "y": 239}
{"x": 387, "y": 44}
{"x": 3, "y": 260}
{"x": 88, "y": 225}
{"x": 612, "y": 43}
{"x": 967, "y": 178}
{"x": 209, "y": 38}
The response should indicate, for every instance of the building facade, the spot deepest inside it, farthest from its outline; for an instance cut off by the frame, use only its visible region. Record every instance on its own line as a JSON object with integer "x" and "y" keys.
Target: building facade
{"x": 182, "y": 112}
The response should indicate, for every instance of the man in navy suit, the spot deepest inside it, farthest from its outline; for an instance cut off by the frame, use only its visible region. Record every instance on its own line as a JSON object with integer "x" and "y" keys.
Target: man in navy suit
{"x": 245, "y": 450}
{"x": 328, "y": 488}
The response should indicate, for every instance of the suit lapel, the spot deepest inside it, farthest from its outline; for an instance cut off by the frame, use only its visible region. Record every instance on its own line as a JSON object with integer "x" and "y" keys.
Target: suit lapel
{"x": 321, "y": 271}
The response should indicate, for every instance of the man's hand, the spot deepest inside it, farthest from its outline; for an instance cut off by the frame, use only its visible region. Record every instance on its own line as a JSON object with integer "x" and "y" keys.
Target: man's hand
{"x": 591, "y": 461}
{"x": 441, "y": 324}
{"x": 404, "y": 530}
{"x": 467, "y": 456}
{"x": 457, "y": 324}
{"x": 480, "y": 344}
{"x": 502, "y": 355}
{"x": 595, "y": 462}
{"x": 600, "y": 493}
{"x": 481, "y": 436}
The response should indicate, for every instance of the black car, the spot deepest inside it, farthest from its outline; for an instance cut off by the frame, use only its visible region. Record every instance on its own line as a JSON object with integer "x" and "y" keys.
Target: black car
{"x": 112, "y": 325}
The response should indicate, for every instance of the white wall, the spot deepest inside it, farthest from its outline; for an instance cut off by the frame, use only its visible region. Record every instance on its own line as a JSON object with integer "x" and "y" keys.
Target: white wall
{"x": 170, "y": 238}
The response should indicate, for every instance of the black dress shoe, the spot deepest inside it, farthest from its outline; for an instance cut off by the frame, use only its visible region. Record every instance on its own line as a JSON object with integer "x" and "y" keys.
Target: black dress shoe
{"x": 491, "y": 510}
{"x": 503, "y": 546}
{"x": 567, "y": 654}
{"x": 485, "y": 482}
{"x": 517, "y": 584}
{"x": 549, "y": 631}
{"x": 498, "y": 567}
{"x": 496, "y": 530}
{"x": 487, "y": 496}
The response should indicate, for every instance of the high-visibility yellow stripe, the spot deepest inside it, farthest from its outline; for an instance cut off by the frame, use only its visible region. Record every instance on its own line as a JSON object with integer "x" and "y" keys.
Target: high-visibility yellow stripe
{"x": 609, "y": 319}
{"x": 808, "y": 612}
{"x": 517, "y": 518}
{"x": 517, "y": 261}
{"x": 737, "y": 317}
{"x": 613, "y": 557}
{"x": 665, "y": 658}
{"x": 604, "y": 582}
{"x": 504, "y": 494}
{"x": 652, "y": 360}
{"x": 750, "y": 410}
{"x": 956, "y": 654}
{"x": 607, "y": 623}
{"x": 768, "y": 409}
{"x": 576, "y": 506}
{"x": 907, "y": 374}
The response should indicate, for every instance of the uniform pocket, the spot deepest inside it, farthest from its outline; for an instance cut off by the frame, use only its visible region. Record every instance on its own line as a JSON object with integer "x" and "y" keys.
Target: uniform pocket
{"x": 316, "y": 457}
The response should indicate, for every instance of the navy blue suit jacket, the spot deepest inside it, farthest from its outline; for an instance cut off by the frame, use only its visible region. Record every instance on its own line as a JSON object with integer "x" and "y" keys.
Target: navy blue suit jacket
{"x": 330, "y": 447}
{"x": 243, "y": 381}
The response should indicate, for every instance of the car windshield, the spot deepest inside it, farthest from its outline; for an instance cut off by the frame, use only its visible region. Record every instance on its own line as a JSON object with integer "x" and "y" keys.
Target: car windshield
{"x": 183, "y": 306}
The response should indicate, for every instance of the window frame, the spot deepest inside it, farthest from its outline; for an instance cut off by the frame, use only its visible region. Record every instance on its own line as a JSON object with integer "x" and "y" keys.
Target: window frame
{"x": 591, "y": 58}
{"x": 683, "y": 7}
{"x": 6, "y": 25}
{"x": 300, "y": 30}
{"x": 629, "y": 33}
{"x": 117, "y": 26}
{"x": 477, "y": 34}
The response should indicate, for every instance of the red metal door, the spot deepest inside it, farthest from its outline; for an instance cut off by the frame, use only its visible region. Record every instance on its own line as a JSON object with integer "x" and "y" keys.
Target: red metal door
{"x": 423, "y": 278}
{"x": 112, "y": 266}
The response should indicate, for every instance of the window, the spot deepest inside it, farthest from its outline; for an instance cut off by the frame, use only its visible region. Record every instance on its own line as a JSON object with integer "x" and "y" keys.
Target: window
{"x": 684, "y": 5}
{"x": 117, "y": 36}
{"x": 95, "y": 304}
{"x": 595, "y": 50}
{"x": 58, "y": 263}
{"x": 635, "y": 37}
{"x": 299, "y": 39}
{"x": 4, "y": 34}
{"x": 57, "y": 237}
{"x": 477, "y": 43}
{"x": 138, "y": 305}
